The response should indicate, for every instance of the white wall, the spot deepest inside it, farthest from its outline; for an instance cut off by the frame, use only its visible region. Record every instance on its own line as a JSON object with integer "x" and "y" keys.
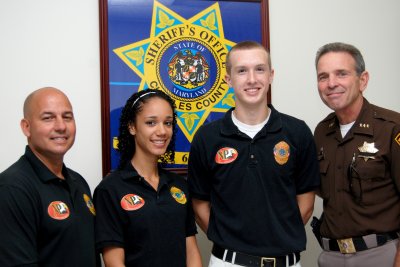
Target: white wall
{"x": 51, "y": 43}
{"x": 56, "y": 43}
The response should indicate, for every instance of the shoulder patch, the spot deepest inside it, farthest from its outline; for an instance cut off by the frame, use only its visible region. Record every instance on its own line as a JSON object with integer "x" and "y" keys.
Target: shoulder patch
{"x": 226, "y": 155}
{"x": 397, "y": 139}
{"x": 132, "y": 202}
{"x": 89, "y": 204}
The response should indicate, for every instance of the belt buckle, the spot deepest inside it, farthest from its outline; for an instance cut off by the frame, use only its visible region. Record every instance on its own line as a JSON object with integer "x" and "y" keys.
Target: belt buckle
{"x": 271, "y": 261}
{"x": 346, "y": 246}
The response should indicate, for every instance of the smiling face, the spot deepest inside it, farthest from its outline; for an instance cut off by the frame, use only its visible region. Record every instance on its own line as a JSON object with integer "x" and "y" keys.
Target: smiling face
{"x": 339, "y": 85}
{"x": 49, "y": 124}
{"x": 250, "y": 76}
{"x": 153, "y": 128}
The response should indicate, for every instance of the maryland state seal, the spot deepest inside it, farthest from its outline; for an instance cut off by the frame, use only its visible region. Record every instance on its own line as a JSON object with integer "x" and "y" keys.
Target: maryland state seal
{"x": 186, "y": 59}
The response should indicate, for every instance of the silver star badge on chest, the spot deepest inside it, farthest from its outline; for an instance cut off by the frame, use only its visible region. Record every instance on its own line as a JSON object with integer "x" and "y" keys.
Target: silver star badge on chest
{"x": 367, "y": 151}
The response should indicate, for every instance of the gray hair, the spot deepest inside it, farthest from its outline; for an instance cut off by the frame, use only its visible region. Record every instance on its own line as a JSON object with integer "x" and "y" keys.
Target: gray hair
{"x": 346, "y": 48}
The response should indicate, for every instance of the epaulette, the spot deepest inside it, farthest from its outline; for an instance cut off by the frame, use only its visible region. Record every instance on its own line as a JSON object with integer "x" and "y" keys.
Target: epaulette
{"x": 329, "y": 123}
{"x": 385, "y": 114}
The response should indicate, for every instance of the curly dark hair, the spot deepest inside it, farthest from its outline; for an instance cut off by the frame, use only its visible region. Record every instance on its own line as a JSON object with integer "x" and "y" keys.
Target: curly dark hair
{"x": 133, "y": 106}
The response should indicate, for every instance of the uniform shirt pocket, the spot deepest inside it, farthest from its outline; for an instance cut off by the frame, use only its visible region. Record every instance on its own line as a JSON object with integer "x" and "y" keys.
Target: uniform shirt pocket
{"x": 323, "y": 169}
{"x": 369, "y": 182}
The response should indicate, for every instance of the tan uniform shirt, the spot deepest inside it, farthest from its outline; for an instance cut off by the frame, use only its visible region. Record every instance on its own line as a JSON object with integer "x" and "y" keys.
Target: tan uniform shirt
{"x": 360, "y": 173}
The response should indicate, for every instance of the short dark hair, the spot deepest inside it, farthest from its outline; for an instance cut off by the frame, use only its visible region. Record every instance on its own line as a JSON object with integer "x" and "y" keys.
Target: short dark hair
{"x": 346, "y": 48}
{"x": 245, "y": 45}
{"x": 133, "y": 106}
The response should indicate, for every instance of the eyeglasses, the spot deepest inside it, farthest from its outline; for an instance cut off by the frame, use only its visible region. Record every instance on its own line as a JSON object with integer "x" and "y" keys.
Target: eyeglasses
{"x": 354, "y": 180}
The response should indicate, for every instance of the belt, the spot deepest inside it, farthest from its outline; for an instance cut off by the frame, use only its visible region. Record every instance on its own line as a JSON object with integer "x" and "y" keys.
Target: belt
{"x": 254, "y": 261}
{"x": 356, "y": 244}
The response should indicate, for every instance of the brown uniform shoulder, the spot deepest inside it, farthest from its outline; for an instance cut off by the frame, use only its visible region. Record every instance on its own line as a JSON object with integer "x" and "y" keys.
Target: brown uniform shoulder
{"x": 328, "y": 121}
{"x": 329, "y": 118}
{"x": 385, "y": 114}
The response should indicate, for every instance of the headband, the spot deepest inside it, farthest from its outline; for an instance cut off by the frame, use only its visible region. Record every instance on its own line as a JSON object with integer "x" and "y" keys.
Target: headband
{"x": 137, "y": 99}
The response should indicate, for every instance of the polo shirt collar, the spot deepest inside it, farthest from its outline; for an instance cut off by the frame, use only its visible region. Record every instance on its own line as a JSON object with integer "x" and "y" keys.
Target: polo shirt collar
{"x": 129, "y": 172}
{"x": 274, "y": 123}
{"x": 44, "y": 174}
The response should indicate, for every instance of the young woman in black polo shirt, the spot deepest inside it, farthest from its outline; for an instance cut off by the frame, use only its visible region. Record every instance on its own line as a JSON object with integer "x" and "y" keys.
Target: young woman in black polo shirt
{"x": 144, "y": 215}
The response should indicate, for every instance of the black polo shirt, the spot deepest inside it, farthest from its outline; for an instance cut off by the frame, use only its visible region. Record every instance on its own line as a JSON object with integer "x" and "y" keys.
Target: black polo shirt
{"x": 252, "y": 184}
{"x": 45, "y": 221}
{"x": 150, "y": 225}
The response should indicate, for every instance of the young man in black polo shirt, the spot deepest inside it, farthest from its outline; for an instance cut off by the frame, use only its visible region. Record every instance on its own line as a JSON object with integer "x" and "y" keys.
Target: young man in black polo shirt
{"x": 252, "y": 174}
{"x": 46, "y": 212}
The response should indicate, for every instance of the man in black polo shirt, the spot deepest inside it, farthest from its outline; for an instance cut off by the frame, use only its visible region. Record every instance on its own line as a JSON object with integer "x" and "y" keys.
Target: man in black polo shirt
{"x": 252, "y": 174}
{"x": 46, "y": 212}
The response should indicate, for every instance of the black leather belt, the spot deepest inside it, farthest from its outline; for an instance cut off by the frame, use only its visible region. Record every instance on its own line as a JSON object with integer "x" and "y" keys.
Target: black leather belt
{"x": 355, "y": 244}
{"x": 254, "y": 261}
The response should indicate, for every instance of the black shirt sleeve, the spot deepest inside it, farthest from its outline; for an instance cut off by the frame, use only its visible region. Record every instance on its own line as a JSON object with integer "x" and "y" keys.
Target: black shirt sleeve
{"x": 19, "y": 221}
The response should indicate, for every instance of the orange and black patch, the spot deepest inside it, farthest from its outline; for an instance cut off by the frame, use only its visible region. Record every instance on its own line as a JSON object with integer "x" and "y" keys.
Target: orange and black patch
{"x": 226, "y": 155}
{"x": 132, "y": 202}
{"x": 58, "y": 210}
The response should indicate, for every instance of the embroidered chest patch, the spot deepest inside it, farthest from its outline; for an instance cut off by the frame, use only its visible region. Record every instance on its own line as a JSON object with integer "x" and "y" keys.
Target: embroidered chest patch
{"x": 281, "y": 152}
{"x": 58, "y": 210}
{"x": 226, "y": 155}
{"x": 178, "y": 195}
{"x": 132, "y": 202}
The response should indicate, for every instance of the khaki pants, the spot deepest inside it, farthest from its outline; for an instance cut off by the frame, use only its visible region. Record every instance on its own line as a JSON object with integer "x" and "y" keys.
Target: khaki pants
{"x": 382, "y": 256}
